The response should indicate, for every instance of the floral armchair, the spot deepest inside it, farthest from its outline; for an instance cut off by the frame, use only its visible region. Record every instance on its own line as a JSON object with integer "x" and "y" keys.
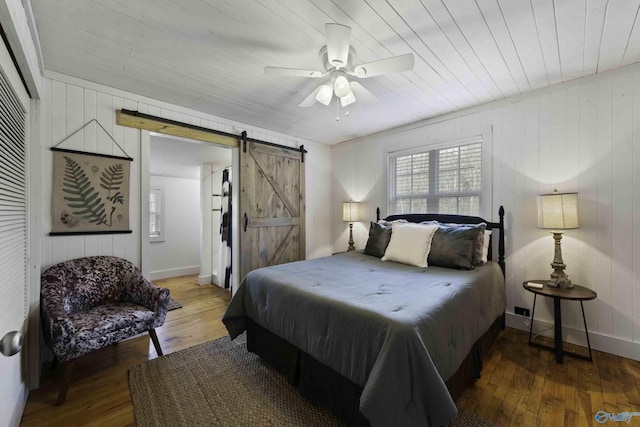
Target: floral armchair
{"x": 90, "y": 303}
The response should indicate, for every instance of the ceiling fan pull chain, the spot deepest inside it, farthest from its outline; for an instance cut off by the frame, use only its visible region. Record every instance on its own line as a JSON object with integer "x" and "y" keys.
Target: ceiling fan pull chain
{"x": 337, "y": 109}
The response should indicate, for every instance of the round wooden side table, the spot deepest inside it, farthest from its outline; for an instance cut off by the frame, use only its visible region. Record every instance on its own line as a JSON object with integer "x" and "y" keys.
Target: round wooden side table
{"x": 577, "y": 293}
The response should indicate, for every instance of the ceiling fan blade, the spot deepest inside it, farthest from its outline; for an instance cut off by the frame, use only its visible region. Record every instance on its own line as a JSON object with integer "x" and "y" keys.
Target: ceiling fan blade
{"x": 338, "y": 37}
{"x": 361, "y": 93}
{"x": 394, "y": 64}
{"x": 311, "y": 99}
{"x": 293, "y": 72}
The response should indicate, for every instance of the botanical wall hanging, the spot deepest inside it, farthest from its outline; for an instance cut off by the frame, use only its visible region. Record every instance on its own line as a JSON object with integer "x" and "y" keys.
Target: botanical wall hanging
{"x": 90, "y": 192}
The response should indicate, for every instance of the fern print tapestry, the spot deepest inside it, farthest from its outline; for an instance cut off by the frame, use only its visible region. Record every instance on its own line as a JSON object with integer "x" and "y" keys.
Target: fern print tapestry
{"x": 90, "y": 193}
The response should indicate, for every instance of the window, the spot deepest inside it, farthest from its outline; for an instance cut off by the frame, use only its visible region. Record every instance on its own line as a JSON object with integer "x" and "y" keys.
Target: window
{"x": 445, "y": 180}
{"x": 156, "y": 215}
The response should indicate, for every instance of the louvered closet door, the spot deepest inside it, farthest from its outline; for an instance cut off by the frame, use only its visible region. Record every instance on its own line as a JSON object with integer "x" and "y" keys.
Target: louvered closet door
{"x": 12, "y": 240}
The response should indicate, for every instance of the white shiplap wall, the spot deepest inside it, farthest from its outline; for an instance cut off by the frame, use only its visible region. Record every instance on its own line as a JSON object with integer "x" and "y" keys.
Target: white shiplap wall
{"x": 64, "y": 109}
{"x": 69, "y": 103}
{"x": 579, "y": 136}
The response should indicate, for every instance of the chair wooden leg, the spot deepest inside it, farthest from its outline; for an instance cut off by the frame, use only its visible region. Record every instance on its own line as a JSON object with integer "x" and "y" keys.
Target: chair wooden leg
{"x": 67, "y": 370}
{"x": 156, "y": 343}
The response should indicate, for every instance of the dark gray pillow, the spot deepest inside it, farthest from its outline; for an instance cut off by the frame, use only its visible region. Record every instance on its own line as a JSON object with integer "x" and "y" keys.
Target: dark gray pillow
{"x": 477, "y": 247}
{"x": 453, "y": 247}
{"x": 379, "y": 236}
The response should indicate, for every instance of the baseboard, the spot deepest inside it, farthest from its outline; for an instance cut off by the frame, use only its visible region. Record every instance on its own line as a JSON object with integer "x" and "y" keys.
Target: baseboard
{"x": 205, "y": 280}
{"x": 604, "y": 343}
{"x": 174, "y": 272}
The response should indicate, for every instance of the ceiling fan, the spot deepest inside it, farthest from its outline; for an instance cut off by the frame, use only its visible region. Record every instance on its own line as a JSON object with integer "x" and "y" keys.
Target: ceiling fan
{"x": 337, "y": 57}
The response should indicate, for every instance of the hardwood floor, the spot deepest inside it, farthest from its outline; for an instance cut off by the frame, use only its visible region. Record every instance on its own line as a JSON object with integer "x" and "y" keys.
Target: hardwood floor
{"x": 520, "y": 385}
{"x": 99, "y": 390}
{"x": 524, "y": 386}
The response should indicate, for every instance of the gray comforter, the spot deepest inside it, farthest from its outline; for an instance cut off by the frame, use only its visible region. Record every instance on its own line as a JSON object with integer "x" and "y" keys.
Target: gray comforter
{"x": 397, "y": 331}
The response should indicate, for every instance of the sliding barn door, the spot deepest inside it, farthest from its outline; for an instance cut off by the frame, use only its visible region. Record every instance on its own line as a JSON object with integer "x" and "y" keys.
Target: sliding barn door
{"x": 272, "y": 210}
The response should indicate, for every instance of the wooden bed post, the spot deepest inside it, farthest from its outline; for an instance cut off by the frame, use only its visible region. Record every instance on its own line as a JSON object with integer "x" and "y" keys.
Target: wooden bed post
{"x": 377, "y": 214}
{"x": 501, "y": 241}
{"x": 503, "y": 320}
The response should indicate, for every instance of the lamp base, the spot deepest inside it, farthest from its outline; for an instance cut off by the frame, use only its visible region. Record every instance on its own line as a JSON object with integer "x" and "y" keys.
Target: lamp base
{"x": 559, "y": 278}
{"x": 351, "y": 246}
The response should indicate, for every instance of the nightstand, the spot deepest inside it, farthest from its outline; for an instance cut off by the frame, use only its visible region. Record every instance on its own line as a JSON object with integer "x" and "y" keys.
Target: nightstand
{"x": 577, "y": 293}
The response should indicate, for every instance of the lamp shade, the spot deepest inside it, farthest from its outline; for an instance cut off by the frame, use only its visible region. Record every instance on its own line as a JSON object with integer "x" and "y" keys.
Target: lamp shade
{"x": 558, "y": 211}
{"x": 350, "y": 211}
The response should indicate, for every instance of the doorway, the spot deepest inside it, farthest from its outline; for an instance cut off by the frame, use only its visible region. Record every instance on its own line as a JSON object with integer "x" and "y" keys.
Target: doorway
{"x": 179, "y": 178}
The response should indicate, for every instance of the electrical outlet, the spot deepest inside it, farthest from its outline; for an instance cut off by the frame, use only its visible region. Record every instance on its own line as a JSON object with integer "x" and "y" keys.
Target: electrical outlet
{"x": 521, "y": 311}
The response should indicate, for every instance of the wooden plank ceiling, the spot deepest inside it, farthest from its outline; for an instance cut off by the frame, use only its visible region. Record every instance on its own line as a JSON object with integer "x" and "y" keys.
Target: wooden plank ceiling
{"x": 209, "y": 55}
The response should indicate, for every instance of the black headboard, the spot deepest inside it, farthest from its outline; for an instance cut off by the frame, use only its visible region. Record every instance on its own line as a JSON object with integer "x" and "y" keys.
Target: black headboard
{"x": 461, "y": 219}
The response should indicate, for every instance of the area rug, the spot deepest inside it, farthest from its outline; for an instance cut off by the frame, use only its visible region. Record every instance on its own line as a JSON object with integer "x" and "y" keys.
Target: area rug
{"x": 219, "y": 383}
{"x": 173, "y": 304}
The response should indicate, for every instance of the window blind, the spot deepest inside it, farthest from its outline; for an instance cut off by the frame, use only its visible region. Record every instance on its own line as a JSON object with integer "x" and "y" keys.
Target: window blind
{"x": 445, "y": 180}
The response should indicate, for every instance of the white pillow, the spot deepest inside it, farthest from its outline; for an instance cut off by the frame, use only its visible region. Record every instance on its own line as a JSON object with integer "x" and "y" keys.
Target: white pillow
{"x": 485, "y": 245}
{"x": 410, "y": 243}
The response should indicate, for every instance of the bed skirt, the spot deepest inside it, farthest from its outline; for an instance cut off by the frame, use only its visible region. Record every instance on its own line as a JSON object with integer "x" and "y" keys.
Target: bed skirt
{"x": 320, "y": 383}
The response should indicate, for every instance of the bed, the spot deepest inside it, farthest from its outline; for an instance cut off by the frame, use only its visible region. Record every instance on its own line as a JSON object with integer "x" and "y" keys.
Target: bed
{"x": 382, "y": 343}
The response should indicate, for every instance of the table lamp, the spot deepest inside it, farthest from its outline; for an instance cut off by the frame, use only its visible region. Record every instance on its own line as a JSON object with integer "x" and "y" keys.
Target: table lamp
{"x": 558, "y": 211}
{"x": 350, "y": 214}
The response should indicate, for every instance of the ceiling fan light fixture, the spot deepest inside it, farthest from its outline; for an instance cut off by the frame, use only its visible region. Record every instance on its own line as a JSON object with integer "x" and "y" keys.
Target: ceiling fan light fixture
{"x": 341, "y": 86}
{"x": 348, "y": 99}
{"x": 324, "y": 94}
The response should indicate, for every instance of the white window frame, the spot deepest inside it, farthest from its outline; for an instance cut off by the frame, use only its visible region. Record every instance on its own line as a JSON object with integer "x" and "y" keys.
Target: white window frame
{"x": 160, "y": 237}
{"x": 486, "y": 196}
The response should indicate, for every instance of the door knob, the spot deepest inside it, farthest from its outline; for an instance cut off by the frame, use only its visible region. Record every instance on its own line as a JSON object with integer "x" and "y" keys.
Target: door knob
{"x": 11, "y": 343}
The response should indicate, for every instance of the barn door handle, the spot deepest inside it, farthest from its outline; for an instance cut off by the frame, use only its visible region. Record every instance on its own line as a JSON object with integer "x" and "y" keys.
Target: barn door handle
{"x": 246, "y": 221}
